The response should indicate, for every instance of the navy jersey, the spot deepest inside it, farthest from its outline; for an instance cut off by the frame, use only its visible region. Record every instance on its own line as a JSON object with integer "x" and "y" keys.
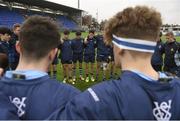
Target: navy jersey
{"x": 36, "y": 98}
{"x": 133, "y": 97}
{"x": 89, "y": 47}
{"x": 77, "y": 45}
{"x": 66, "y": 53}
{"x": 102, "y": 48}
{"x": 157, "y": 55}
{"x": 7, "y": 48}
{"x": 4, "y": 47}
{"x": 13, "y": 52}
{"x": 7, "y": 110}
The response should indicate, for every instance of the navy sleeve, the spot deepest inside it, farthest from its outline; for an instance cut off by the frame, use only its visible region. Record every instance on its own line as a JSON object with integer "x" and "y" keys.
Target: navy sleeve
{"x": 7, "y": 109}
{"x": 72, "y": 44}
{"x": 2, "y": 49}
{"x": 93, "y": 104}
{"x": 95, "y": 42}
{"x": 64, "y": 94}
{"x": 77, "y": 109}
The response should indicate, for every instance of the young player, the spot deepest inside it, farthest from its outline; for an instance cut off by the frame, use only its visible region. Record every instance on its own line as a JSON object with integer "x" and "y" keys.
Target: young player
{"x": 102, "y": 56}
{"x": 78, "y": 47}
{"x": 5, "y": 35}
{"x": 29, "y": 87}
{"x": 157, "y": 59}
{"x": 141, "y": 93}
{"x": 66, "y": 56}
{"x": 169, "y": 49}
{"x": 14, "y": 54}
{"x": 89, "y": 55}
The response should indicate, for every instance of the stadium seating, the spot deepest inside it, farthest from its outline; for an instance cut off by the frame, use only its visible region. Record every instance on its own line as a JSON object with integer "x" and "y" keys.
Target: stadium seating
{"x": 67, "y": 23}
{"x": 9, "y": 17}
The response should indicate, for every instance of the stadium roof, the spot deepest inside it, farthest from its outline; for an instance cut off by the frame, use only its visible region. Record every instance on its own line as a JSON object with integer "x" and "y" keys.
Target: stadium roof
{"x": 46, "y": 4}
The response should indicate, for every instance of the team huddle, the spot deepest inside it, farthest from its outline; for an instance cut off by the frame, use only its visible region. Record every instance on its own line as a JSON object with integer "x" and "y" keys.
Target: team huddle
{"x": 84, "y": 50}
{"x": 142, "y": 92}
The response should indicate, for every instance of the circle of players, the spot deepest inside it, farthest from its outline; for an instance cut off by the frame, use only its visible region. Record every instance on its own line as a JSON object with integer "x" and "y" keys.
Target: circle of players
{"x": 78, "y": 50}
{"x": 84, "y": 50}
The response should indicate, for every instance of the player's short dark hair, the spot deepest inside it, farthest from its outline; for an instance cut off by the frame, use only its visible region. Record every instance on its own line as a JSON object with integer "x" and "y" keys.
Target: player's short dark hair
{"x": 38, "y": 35}
{"x": 66, "y": 32}
{"x": 78, "y": 33}
{"x": 91, "y": 31}
{"x": 3, "y": 61}
{"x": 5, "y": 30}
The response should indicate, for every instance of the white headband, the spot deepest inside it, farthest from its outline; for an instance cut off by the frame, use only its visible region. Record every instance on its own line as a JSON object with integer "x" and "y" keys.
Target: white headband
{"x": 134, "y": 44}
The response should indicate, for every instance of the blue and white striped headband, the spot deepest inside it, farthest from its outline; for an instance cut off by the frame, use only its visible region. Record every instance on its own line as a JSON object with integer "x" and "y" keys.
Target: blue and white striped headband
{"x": 134, "y": 44}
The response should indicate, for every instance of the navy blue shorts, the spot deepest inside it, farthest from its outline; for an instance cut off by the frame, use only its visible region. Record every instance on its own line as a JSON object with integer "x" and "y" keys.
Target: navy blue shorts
{"x": 66, "y": 61}
{"x": 89, "y": 58}
{"x": 77, "y": 57}
{"x": 102, "y": 58}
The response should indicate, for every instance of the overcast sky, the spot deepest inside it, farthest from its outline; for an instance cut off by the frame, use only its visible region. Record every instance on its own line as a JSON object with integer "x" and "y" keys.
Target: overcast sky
{"x": 170, "y": 9}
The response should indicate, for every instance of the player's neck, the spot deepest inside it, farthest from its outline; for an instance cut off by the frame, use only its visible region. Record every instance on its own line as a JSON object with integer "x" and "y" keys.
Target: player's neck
{"x": 140, "y": 65}
{"x": 30, "y": 65}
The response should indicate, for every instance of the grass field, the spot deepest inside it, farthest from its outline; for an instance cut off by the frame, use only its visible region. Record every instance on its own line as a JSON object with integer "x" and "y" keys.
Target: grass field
{"x": 81, "y": 84}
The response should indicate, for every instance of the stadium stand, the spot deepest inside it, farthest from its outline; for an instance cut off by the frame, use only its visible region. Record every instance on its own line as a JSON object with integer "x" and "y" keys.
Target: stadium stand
{"x": 13, "y": 11}
{"x": 67, "y": 23}
{"x": 10, "y": 17}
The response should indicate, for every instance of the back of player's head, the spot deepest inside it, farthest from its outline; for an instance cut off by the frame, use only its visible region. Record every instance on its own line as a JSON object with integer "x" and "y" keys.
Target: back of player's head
{"x": 139, "y": 22}
{"x": 78, "y": 33}
{"x": 5, "y": 30}
{"x": 66, "y": 32}
{"x": 3, "y": 61}
{"x": 38, "y": 36}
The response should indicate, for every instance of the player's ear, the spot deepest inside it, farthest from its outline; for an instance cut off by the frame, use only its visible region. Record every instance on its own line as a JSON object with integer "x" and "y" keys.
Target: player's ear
{"x": 118, "y": 50}
{"x": 18, "y": 48}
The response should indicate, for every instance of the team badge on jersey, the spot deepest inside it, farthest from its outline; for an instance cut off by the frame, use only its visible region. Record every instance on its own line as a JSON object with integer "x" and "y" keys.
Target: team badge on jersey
{"x": 20, "y": 104}
{"x": 162, "y": 111}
